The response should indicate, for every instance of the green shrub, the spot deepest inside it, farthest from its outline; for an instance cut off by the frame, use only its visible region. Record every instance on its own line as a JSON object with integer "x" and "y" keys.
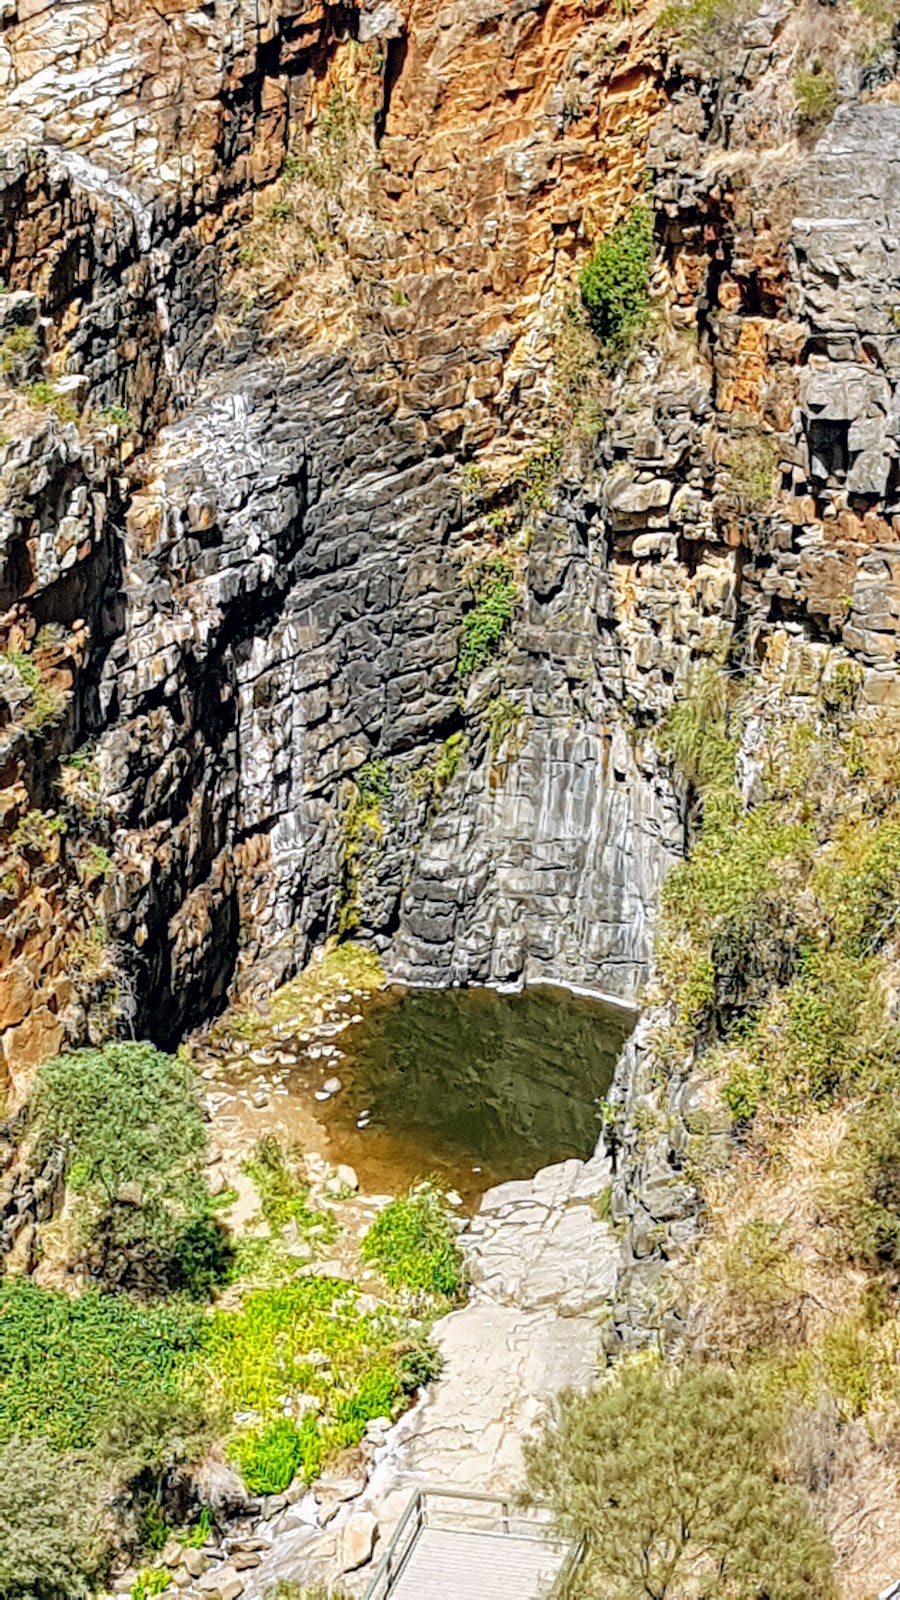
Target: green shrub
{"x": 50, "y": 1545}
{"x": 615, "y": 282}
{"x": 21, "y": 342}
{"x": 413, "y": 1244}
{"x": 270, "y": 1459}
{"x": 864, "y": 1195}
{"x": 484, "y": 627}
{"x": 672, "y": 1480}
{"x": 709, "y": 28}
{"x": 450, "y": 758}
{"x": 129, "y": 1122}
{"x": 695, "y": 734}
{"x": 815, "y": 91}
{"x": 362, "y": 828}
{"x": 65, "y": 1361}
{"x": 44, "y": 394}
{"x": 751, "y": 462}
{"x": 501, "y": 717}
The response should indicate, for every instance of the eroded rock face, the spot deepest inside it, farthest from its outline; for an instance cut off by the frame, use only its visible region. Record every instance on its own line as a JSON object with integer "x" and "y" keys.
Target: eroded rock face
{"x": 249, "y": 508}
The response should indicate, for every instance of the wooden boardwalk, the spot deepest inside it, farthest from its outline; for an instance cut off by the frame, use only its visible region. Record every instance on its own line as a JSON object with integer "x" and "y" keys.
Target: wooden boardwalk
{"x": 449, "y": 1564}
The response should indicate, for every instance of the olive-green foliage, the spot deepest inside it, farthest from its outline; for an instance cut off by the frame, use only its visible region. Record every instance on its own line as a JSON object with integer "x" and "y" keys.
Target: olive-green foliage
{"x": 672, "y": 1480}
{"x": 695, "y": 733}
{"x": 119, "y": 417}
{"x": 362, "y": 828}
{"x": 21, "y": 342}
{"x": 147, "y": 1436}
{"x": 49, "y": 1544}
{"x": 413, "y": 1244}
{"x": 46, "y": 704}
{"x": 501, "y": 717}
{"x": 708, "y": 28}
{"x": 864, "y": 1197}
{"x": 66, "y": 1362}
{"x": 815, "y": 91}
{"x": 323, "y": 159}
{"x": 128, "y": 1120}
{"x": 283, "y": 1195}
{"x": 615, "y": 282}
{"x": 751, "y": 462}
{"x": 495, "y": 593}
{"x": 44, "y": 394}
{"x": 449, "y": 760}
{"x": 36, "y": 830}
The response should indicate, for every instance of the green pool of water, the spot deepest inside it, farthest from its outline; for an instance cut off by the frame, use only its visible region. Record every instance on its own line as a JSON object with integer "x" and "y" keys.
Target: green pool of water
{"x": 472, "y": 1085}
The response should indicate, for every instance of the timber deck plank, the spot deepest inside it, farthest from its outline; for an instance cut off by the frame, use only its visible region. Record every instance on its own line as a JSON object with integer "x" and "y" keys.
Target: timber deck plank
{"x": 447, "y": 1564}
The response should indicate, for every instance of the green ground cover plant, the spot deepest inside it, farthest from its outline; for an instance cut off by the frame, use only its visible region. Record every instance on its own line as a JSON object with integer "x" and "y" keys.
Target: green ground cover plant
{"x": 308, "y": 1338}
{"x": 413, "y": 1244}
{"x": 495, "y": 592}
{"x": 284, "y": 1196}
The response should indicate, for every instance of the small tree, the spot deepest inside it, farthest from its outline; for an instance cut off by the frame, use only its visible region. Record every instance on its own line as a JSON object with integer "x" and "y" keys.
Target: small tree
{"x": 49, "y": 1542}
{"x": 129, "y": 1122}
{"x": 671, "y": 1481}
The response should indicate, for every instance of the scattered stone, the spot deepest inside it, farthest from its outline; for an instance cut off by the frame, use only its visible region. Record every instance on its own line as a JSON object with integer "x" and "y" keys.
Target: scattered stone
{"x": 195, "y": 1562}
{"x": 332, "y": 1086}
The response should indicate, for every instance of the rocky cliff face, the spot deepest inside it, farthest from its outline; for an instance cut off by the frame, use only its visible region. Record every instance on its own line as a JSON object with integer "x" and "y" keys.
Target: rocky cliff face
{"x": 286, "y": 365}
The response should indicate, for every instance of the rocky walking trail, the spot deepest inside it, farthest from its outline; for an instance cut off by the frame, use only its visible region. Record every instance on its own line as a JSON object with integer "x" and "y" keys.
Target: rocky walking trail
{"x": 542, "y": 1265}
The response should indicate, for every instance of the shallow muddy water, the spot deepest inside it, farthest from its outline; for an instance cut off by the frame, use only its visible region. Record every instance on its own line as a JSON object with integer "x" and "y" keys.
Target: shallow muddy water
{"x": 472, "y": 1085}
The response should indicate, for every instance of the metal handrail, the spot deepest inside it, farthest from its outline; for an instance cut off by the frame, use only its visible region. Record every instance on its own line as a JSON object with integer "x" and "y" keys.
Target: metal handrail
{"x": 416, "y": 1517}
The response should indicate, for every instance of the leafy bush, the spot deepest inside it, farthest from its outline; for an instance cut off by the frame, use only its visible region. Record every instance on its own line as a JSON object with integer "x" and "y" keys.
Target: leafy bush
{"x": 864, "y": 1196}
{"x": 672, "y": 1480}
{"x": 815, "y": 91}
{"x": 50, "y": 1547}
{"x": 695, "y": 734}
{"x": 44, "y": 394}
{"x": 146, "y": 1437}
{"x": 66, "y": 1362}
{"x": 46, "y": 703}
{"x": 501, "y": 716}
{"x": 128, "y": 1119}
{"x": 450, "y": 758}
{"x": 484, "y": 627}
{"x": 615, "y": 282}
{"x": 751, "y": 463}
{"x": 708, "y": 28}
{"x": 413, "y": 1245}
{"x": 270, "y": 1458}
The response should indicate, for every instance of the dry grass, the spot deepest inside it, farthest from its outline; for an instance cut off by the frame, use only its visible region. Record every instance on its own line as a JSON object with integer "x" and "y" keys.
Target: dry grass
{"x": 292, "y": 270}
{"x": 772, "y": 1270}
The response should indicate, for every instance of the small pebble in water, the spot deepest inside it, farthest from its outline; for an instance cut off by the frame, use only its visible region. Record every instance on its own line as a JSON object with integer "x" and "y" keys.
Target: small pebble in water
{"x": 322, "y": 1095}
{"x": 476, "y": 1169}
{"x": 332, "y": 1085}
